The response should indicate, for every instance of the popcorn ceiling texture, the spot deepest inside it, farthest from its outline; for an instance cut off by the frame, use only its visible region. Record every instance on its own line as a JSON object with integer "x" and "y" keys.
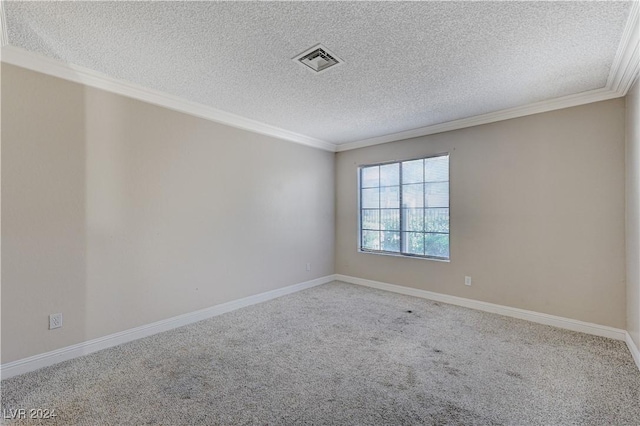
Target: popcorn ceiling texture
{"x": 407, "y": 65}
{"x": 343, "y": 355}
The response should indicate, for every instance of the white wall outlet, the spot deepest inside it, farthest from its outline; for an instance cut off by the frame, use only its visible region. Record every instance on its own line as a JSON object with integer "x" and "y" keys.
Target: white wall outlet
{"x": 467, "y": 280}
{"x": 55, "y": 321}
{"x": 308, "y": 266}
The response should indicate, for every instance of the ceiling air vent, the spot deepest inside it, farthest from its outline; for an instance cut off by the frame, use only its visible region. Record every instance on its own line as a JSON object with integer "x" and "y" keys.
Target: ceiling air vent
{"x": 318, "y": 58}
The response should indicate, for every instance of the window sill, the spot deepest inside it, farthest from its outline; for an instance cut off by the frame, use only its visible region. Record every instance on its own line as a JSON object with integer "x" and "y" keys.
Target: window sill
{"x": 404, "y": 256}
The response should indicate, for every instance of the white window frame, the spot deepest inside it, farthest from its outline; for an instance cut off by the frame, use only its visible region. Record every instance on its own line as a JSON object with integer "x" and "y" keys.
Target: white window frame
{"x": 401, "y": 253}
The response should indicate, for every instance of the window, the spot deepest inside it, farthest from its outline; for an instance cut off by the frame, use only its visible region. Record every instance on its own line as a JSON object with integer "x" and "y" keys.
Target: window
{"x": 404, "y": 208}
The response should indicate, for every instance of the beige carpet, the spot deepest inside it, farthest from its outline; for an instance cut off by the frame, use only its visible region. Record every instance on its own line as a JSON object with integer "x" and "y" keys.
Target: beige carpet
{"x": 343, "y": 354}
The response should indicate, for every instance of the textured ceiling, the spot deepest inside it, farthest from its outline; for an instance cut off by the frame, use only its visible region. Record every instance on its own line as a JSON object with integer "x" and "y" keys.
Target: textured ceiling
{"x": 406, "y": 65}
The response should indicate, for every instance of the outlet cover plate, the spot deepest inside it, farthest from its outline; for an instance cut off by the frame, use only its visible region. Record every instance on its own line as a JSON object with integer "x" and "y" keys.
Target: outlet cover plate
{"x": 55, "y": 321}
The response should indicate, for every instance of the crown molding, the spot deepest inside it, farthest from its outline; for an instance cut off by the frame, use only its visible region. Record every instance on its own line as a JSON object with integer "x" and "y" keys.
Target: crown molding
{"x": 626, "y": 63}
{"x": 492, "y": 117}
{"x": 4, "y": 35}
{"x": 77, "y": 74}
{"x": 624, "y": 71}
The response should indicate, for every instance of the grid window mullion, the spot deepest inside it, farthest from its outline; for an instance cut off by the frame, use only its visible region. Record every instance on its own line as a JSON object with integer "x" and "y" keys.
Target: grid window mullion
{"x": 419, "y": 228}
{"x": 402, "y": 246}
{"x": 424, "y": 218}
{"x": 379, "y": 213}
{"x": 361, "y": 183}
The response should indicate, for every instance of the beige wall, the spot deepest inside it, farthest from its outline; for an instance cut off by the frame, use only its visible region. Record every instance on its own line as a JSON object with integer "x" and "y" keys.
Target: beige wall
{"x": 633, "y": 213}
{"x": 537, "y": 214}
{"x": 119, "y": 213}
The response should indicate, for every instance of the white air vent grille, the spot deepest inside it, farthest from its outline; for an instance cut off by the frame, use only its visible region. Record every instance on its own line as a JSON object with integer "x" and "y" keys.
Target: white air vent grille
{"x": 318, "y": 58}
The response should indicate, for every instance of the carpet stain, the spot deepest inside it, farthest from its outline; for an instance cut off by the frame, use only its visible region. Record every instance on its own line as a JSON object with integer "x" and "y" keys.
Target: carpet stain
{"x": 412, "y": 378}
{"x": 453, "y": 371}
{"x": 343, "y": 354}
{"x": 515, "y": 374}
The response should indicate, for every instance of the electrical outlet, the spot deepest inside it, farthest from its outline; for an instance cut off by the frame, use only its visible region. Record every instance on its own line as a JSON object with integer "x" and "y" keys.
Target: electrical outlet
{"x": 308, "y": 266}
{"x": 467, "y": 280}
{"x": 55, "y": 321}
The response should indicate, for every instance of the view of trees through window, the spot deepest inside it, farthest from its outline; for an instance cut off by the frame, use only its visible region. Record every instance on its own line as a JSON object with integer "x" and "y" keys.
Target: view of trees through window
{"x": 404, "y": 207}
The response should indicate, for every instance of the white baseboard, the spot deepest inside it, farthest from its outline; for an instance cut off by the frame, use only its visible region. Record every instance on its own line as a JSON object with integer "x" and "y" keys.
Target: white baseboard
{"x": 635, "y": 352}
{"x": 59, "y": 355}
{"x": 36, "y": 362}
{"x": 540, "y": 318}
{"x": 537, "y": 317}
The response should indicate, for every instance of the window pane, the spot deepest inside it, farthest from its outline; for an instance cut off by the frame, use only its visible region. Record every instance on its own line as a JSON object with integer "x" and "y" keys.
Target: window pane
{"x": 370, "y": 198}
{"x": 412, "y": 195}
{"x": 412, "y": 171}
{"x": 436, "y": 194}
{"x": 437, "y": 220}
{"x": 390, "y": 219}
{"x": 413, "y": 219}
{"x": 371, "y": 240}
{"x": 390, "y": 197}
{"x": 424, "y": 212}
{"x": 414, "y": 243}
{"x": 370, "y": 219}
{"x": 390, "y": 174}
{"x": 436, "y": 245}
{"x": 436, "y": 169}
{"x": 390, "y": 241}
{"x": 370, "y": 177}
